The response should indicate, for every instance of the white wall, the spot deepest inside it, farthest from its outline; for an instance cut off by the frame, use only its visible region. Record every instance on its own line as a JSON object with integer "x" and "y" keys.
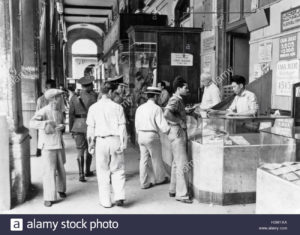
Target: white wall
{"x": 273, "y": 33}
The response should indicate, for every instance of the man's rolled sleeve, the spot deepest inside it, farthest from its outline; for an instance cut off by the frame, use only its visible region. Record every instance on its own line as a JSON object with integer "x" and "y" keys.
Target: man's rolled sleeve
{"x": 172, "y": 105}
{"x": 253, "y": 105}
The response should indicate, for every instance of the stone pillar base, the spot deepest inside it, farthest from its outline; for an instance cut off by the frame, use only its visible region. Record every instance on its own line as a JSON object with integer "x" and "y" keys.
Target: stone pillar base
{"x": 20, "y": 166}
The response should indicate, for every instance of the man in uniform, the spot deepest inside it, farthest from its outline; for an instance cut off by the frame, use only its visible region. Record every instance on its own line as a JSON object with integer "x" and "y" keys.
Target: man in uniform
{"x": 149, "y": 120}
{"x": 50, "y": 122}
{"x": 176, "y": 117}
{"x": 79, "y": 107}
{"x": 107, "y": 126}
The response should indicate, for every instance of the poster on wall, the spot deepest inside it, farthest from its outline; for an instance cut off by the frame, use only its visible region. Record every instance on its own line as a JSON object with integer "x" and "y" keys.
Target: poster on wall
{"x": 288, "y": 47}
{"x": 265, "y": 52}
{"x": 287, "y": 74}
{"x": 290, "y": 19}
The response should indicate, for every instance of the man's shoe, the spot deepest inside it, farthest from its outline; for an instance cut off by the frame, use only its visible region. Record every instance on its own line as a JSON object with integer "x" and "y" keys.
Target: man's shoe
{"x": 62, "y": 194}
{"x": 82, "y": 179}
{"x": 189, "y": 201}
{"x": 120, "y": 203}
{"x": 47, "y": 203}
{"x": 106, "y": 206}
{"x": 150, "y": 186}
{"x": 166, "y": 180}
{"x": 172, "y": 194}
{"x": 89, "y": 174}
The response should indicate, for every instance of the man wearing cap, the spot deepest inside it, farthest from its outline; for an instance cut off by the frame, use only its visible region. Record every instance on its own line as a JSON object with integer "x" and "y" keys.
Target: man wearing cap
{"x": 149, "y": 120}
{"x": 107, "y": 126}
{"x": 50, "y": 122}
{"x": 79, "y": 107}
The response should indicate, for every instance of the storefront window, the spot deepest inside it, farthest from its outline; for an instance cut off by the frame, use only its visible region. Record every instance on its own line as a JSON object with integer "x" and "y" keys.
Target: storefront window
{"x": 234, "y": 9}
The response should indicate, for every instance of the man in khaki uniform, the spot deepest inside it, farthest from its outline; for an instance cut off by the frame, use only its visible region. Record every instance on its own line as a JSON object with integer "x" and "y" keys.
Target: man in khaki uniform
{"x": 149, "y": 121}
{"x": 49, "y": 121}
{"x": 107, "y": 126}
{"x": 79, "y": 107}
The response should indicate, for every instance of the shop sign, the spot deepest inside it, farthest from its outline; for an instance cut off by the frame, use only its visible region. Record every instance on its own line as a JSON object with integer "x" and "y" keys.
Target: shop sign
{"x": 265, "y": 52}
{"x": 290, "y": 19}
{"x": 283, "y": 127}
{"x": 288, "y": 47}
{"x": 287, "y": 74}
{"x": 181, "y": 59}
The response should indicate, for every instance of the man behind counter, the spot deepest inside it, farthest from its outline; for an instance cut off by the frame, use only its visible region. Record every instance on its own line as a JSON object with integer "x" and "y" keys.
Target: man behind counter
{"x": 244, "y": 103}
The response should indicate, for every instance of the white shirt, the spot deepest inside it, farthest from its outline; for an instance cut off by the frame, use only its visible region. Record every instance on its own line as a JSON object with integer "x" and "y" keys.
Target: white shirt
{"x": 246, "y": 102}
{"x": 211, "y": 96}
{"x": 149, "y": 117}
{"x": 105, "y": 118}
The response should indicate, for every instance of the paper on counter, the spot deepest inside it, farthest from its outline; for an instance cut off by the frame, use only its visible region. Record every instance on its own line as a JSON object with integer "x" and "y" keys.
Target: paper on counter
{"x": 271, "y": 166}
{"x": 239, "y": 140}
{"x": 290, "y": 176}
{"x": 281, "y": 171}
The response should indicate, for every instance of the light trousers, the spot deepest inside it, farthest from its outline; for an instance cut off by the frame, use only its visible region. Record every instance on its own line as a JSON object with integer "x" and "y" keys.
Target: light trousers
{"x": 54, "y": 176}
{"x": 151, "y": 154}
{"x": 180, "y": 170}
{"x": 110, "y": 169}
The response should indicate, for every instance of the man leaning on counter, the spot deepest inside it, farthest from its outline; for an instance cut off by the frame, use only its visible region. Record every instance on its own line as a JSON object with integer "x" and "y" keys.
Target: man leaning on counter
{"x": 244, "y": 103}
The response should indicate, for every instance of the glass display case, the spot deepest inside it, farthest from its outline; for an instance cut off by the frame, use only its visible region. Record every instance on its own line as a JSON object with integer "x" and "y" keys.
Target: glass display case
{"x": 226, "y": 153}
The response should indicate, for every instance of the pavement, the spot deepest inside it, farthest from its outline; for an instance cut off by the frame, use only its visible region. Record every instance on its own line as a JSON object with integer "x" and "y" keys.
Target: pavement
{"x": 82, "y": 198}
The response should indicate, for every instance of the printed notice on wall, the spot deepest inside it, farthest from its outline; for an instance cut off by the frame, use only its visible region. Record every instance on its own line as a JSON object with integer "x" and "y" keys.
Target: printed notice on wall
{"x": 181, "y": 59}
{"x": 265, "y": 52}
{"x": 288, "y": 47}
{"x": 287, "y": 74}
{"x": 290, "y": 19}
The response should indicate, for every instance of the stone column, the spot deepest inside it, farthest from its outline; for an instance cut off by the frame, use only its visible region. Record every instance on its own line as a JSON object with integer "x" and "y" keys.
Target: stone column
{"x": 30, "y": 64}
{"x": 11, "y": 99}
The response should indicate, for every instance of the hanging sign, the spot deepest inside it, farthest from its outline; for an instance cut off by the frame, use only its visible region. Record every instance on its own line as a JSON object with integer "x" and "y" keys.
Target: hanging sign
{"x": 290, "y": 19}
{"x": 288, "y": 47}
{"x": 286, "y": 75}
{"x": 181, "y": 59}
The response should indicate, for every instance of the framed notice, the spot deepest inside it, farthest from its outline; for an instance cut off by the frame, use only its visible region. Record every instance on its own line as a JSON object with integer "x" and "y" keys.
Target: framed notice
{"x": 288, "y": 47}
{"x": 287, "y": 74}
{"x": 290, "y": 19}
{"x": 265, "y": 52}
{"x": 181, "y": 59}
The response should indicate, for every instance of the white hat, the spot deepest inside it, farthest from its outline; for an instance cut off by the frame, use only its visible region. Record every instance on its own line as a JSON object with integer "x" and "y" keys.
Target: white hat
{"x": 52, "y": 93}
{"x": 153, "y": 90}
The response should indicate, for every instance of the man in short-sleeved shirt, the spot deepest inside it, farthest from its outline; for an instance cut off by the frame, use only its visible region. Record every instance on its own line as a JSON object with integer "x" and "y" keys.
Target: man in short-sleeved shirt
{"x": 176, "y": 117}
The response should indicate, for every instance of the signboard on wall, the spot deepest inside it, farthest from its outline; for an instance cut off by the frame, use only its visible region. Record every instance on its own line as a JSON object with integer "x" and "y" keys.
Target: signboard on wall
{"x": 288, "y": 47}
{"x": 265, "y": 52}
{"x": 287, "y": 74}
{"x": 290, "y": 19}
{"x": 181, "y": 59}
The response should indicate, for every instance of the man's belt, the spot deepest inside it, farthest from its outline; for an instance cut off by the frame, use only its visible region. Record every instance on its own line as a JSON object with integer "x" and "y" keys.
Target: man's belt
{"x": 151, "y": 131}
{"x": 80, "y": 116}
{"x": 107, "y": 136}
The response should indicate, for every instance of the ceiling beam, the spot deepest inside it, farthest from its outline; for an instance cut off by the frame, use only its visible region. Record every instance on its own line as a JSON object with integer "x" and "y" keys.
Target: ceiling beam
{"x": 86, "y": 15}
{"x": 89, "y": 7}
